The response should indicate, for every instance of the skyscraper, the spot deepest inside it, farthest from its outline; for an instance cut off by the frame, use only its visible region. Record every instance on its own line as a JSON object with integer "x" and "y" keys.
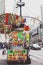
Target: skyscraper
{"x": 42, "y": 13}
{"x": 2, "y": 6}
{"x": 41, "y": 25}
{"x": 10, "y": 6}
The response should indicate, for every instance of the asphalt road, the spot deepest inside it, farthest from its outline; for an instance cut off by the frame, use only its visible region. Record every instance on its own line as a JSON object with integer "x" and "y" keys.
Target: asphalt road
{"x": 4, "y": 62}
{"x": 36, "y": 57}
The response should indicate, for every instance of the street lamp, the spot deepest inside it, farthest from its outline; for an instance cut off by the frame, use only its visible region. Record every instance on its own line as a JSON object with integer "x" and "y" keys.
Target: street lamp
{"x": 20, "y": 4}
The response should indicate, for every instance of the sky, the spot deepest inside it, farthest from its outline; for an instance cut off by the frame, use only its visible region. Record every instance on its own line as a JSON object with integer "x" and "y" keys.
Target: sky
{"x": 31, "y": 8}
{"x": 10, "y": 6}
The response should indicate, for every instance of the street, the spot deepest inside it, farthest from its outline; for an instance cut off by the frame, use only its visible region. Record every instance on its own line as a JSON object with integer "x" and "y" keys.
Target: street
{"x": 36, "y": 57}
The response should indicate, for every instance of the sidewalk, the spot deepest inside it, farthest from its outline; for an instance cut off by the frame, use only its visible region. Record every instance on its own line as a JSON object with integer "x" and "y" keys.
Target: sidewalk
{"x": 2, "y": 57}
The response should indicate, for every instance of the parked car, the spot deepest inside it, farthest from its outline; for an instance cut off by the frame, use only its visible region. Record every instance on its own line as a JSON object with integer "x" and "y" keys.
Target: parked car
{"x": 35, "y": 46}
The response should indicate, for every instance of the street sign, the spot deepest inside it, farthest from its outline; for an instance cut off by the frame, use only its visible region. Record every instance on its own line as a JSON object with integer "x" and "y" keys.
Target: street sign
{"x": 20, "y": 3}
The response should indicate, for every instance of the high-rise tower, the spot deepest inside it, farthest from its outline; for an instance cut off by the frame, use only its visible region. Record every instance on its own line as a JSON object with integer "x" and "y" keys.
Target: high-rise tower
{"x": 42, "y": 13}
{"x": 2, "y": 6}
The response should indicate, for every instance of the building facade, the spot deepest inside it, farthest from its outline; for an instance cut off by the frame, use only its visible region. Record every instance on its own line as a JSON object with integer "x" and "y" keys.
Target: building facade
{"x": 2, "y": 6}
{"x": 8, "y": 6}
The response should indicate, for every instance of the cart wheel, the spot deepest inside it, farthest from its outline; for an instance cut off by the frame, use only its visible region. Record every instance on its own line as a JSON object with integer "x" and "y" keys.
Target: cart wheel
{"x": 28, "y": 61}
{"x": 8, "y": 62}
{"x": 24, "y": 62}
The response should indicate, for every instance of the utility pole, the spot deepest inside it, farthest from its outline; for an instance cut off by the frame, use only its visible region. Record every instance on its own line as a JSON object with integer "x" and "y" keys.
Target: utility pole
{"x": 20, "y": 4}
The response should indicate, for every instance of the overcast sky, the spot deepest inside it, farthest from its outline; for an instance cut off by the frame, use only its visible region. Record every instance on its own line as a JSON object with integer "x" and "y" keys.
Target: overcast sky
{"x": 31, "y": 8}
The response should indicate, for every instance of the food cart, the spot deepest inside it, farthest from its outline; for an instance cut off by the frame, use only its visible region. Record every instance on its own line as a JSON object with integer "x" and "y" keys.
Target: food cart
{"x": 19, "y": 38}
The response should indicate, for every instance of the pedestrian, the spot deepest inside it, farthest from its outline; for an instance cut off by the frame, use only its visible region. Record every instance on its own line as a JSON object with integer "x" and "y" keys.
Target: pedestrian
{"x": 4, "y": 51}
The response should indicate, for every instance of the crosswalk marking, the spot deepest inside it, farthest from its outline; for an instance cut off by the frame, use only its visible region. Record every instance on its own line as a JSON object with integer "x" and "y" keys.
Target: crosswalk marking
{"x": 33, "y": 58}
{"x": 37, "y": 56}
{"x": 40, "y": 53}
{"x": 38, "y": 60}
